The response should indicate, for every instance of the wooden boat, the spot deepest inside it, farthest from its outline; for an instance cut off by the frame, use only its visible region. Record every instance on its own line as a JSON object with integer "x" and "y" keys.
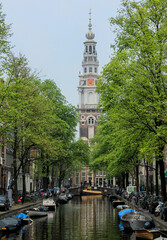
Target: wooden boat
{"x": 24, "y": 218}
{"x": 161, "y": 238}
{"x": 35, "y": 213}
{"x": 49, "y": 203}
{"x": 118, "y": 202}
{"x": 147, "y": 234}
{"x": 122, "y": 207}
{"x": 62, "y": 199}
{"x": 113, "y": 198}
{"x": 134, "y": 220}
{"x": 87, "y": 192}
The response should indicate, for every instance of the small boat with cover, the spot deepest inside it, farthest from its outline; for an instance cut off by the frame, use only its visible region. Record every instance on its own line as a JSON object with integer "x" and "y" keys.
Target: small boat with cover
{"x": 49, "y": 203}
{"x": 133, "y": 220}
{"x": 24, "y": 218}
{"x": 125, "y": 211}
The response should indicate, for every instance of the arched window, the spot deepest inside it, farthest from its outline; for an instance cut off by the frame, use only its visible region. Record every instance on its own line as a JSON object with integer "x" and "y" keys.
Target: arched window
{"x": 91, "y": 121}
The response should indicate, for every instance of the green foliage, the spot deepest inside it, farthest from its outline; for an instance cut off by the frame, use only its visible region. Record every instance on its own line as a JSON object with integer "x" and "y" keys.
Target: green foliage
{"x": 133, "y": 89}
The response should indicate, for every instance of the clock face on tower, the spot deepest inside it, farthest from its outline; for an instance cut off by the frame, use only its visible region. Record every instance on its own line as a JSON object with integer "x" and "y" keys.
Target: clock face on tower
{"x": 91, "y": 81}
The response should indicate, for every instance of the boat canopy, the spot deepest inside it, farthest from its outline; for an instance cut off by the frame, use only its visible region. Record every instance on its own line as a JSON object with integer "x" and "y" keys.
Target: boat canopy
{"x": 128, "y": 210}
{"x": 21, "y": 215}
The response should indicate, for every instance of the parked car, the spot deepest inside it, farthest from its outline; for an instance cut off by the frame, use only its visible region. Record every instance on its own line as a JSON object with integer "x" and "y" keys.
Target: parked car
{"x": 4, "y": 202}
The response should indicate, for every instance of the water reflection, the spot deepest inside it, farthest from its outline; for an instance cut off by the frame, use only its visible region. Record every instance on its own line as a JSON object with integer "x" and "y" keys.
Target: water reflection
{"x": 88, "y": 217}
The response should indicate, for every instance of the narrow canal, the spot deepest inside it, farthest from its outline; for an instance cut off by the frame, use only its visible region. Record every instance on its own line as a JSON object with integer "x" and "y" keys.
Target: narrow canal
{"x": 83, "y": 218}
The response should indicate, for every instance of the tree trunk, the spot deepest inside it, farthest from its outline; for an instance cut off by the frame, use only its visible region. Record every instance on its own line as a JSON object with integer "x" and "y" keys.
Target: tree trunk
{"x": 127, "y": 179}
{"x": 15, "y": 190}
{"x": 24, "y": 183}
{"x": 156, "y": 179}
{"x": 123, "y": 180}
{"x": 137, "y": 178}
{"x": 160, "y": 158}
{"x": 147, "y": 178}
{"x": 163, "y": 182}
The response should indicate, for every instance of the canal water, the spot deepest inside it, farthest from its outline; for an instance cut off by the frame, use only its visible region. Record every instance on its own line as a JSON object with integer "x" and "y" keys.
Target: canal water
{"x": 83, "y": 218}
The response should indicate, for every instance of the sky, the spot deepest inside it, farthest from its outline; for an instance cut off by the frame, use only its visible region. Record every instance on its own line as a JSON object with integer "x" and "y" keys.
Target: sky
{"x": 50, "y": 34}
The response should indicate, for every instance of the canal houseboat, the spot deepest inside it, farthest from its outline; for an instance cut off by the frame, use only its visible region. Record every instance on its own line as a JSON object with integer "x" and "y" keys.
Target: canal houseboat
{"x": 91, "y": 191}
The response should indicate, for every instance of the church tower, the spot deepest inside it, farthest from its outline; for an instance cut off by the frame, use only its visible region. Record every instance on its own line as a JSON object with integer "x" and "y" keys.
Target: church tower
{"x": 88, "y": 107}
{"x": 88, "y": 97}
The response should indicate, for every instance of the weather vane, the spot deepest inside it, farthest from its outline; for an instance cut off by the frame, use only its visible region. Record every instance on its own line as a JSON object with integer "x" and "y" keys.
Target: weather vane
{"x": 90, "y": 13}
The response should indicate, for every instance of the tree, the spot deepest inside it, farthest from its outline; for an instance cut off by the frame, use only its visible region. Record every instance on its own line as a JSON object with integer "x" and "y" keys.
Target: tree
{"x": 26, "y": 116}
{"x": 133, "y": 84}
{"x": 64, "y": 134}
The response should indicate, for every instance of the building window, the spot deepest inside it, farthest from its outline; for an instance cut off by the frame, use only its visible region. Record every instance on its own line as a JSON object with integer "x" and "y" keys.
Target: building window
{"x": 95, "y": 59}
{"x": 85, "y": 70}
{"x": 83, "y": 177}
{"x": 85, "y": 59}
{"x": 100, "y": 173}
{"x": 82, "y": 116}
{"x": 77, "y": 178}
{"x": 91, "y": 121}
{"x": 89, "y": 58}
{"x": 95, "y": 70}
{"x": 90, "y": 49}
{"x": 93, "y": 49}
{"x": 86, "y": 49}
{"x": 90, "y": 69}
{"x": 83, "y": 123}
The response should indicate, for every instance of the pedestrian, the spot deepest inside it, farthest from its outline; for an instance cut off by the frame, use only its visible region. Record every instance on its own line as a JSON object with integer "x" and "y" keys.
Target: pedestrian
{"x": 10, "y": 193}
{"x": 22, "y": 199}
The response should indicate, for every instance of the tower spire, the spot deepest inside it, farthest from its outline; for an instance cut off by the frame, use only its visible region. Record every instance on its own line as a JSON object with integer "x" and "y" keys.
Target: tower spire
{"x": 90, "y": 24}
{"x": 90, "y": 35}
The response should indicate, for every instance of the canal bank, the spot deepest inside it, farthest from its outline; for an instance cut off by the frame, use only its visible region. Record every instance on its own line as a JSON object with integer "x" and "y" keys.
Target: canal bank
{"x": 16, "y": 208}
{"x": 157, "y": 220}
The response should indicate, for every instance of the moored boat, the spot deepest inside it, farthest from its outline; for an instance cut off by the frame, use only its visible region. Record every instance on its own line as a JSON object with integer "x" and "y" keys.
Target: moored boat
{"x": 35, "y": 213}
{"x": 9, "y": 224}
{"x": 62, "y": 199}
{"x": 125, "y": 211}
{"x": 134, "y": 220}
{"x": 122, "y": 207}
{"x": 24, "y": 218}
{"x": 161, "y": 238}
{"x": 147, "y": 234}
{"x": 118, "y": 202}
{"x": 87, "y": 192}
{"x": 49, "y": 203}
{"x": 113, "y": 197}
